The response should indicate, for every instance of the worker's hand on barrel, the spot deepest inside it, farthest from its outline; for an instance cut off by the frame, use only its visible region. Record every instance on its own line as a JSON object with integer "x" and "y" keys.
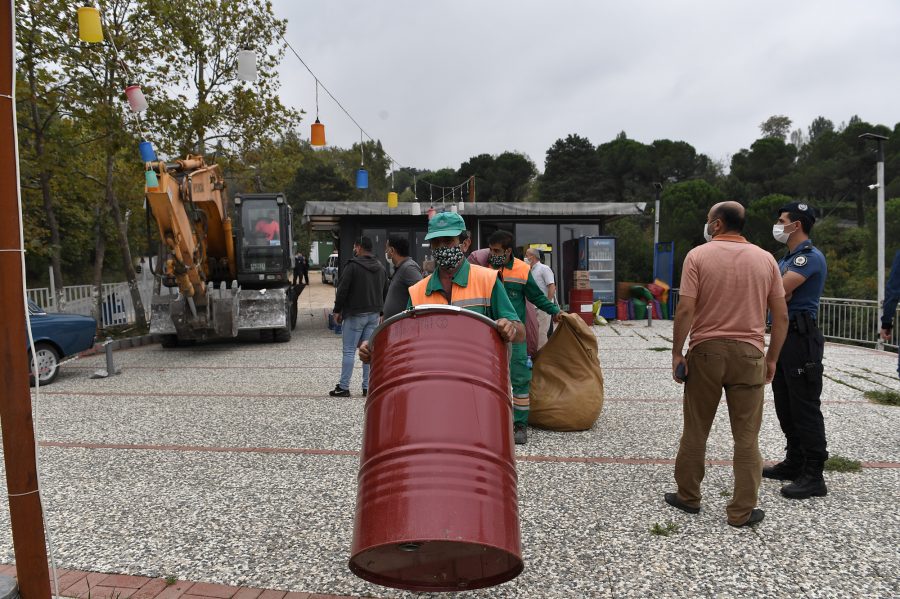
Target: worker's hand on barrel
{"x": 337, "y": 318}
{"x": 507, "y": 329}
{"x": 365, "y": 352}
{"x": 557, "y": 317}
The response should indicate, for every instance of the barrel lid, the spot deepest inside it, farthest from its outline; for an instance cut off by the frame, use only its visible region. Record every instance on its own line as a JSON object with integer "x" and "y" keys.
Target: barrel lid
{"x": 425, "y": 309}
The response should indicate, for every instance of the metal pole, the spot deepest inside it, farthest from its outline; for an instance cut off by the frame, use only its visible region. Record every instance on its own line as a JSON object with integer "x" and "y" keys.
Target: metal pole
{"x": 25, "y": 514}
{"x": 52, "y": 301}
{"x": 658, "y": 188}
{"x": 879, "y": 344}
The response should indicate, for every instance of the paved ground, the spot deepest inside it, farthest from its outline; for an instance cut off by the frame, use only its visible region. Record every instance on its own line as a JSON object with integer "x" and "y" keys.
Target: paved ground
{"x": 228, "y": 463}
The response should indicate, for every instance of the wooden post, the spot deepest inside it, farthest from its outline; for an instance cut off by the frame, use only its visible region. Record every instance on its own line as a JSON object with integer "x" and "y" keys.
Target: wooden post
{"x": 15, "y": 399}
{"x": 472, "y": 188}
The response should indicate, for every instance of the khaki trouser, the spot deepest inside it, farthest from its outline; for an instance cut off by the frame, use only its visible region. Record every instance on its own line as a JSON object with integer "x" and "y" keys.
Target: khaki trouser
{"x": 543, "y": 323}
{"x": 739, "y": 368}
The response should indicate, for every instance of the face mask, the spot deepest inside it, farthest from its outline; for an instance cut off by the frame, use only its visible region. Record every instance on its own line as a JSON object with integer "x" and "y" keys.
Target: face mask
{"x": 706, "y": 234}
{"x": 387, "y": 256}
{"x": 448, "y": 258}
{"x": 497, "y": 261}
{"x": 779, "y": 234}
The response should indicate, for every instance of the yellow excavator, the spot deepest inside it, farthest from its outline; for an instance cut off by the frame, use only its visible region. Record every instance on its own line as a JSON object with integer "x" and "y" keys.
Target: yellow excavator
{"x": 226, "y": 266}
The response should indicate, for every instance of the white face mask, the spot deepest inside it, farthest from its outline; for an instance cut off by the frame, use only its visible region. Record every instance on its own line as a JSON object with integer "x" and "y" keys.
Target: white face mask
{"x": 706, "y": 234}
{"x": 779, "y": 234}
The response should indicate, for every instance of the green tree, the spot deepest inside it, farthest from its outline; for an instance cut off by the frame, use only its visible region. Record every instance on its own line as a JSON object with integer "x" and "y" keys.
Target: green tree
{"x": 620, "y": 172}
{"x": 504, "y": 178}
{"x": 201, "y": 49}
{"x": 683, "y": 210}
{"x": 766, "y": 166}
{"x": 571, "y": 171}
{"x": 776, "y": 127}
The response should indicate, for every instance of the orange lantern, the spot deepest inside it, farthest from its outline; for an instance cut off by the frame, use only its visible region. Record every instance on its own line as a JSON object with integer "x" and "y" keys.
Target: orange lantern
{"x": 317, "y": 134}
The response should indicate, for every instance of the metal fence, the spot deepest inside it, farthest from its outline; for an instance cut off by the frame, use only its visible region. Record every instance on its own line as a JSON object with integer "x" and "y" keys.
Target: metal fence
{"x": 117, "y": 307}
{"x": 855, "y": 321}
{"x": 843, "y": 320}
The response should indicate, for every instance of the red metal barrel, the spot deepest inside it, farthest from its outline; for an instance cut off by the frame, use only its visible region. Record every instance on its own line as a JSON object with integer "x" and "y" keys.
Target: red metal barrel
{"x": 436, "y": 506}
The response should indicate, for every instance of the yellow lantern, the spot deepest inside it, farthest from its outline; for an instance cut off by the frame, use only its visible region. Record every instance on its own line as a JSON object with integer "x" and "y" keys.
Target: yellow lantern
{"x": 392, "y": 199}
{"x": 89, "y": 27}
{"x": 317, "y": 134}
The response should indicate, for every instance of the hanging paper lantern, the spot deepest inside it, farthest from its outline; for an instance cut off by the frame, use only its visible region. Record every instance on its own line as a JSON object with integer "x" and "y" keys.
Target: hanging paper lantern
{"x": 393, "y": 199}
{"x": 246, "y": 65}
{"x": 362, "y": 179}
{"x": 460, "y": 206}
{"x": 453, "y": 208}
{"x": 146, "y": 150}
{"x": 415, "y": 208}
{"x": 317, "y": 134}
{"x": 136, "y": 98}
{"x": 89, "y": 27}
{"x": 152, "y": 181}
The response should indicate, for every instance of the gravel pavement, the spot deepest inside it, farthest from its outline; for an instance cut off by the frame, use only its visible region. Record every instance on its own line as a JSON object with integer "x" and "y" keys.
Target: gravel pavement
{"x": 229, "y": 463}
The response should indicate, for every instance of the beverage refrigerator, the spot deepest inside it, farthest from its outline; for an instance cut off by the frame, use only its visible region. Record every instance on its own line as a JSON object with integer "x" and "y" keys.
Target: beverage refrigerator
{"x": 597, "y": 256}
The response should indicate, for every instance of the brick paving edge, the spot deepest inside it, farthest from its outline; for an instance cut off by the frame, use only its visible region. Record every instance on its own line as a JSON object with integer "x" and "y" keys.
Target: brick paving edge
{"x": 78, "y": 584}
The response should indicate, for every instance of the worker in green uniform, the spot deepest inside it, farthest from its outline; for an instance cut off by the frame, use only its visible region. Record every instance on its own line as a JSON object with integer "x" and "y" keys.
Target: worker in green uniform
{"x": 520, "y": 285}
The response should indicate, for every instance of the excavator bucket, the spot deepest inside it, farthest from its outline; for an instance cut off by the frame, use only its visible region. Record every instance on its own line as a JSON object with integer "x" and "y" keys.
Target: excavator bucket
{"x": 263, "y": 309}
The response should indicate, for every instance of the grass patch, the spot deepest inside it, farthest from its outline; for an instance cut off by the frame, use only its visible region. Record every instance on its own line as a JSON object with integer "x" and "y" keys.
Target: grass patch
{"x": 170, "y": 580}
{"x": 724, "y": 493}
{"x": 665, "y": 529}
{"x": 841, "y": 464}
{"x": 660, "y": 349}
{"x": 840, "y": 382}
{"x": 885, "y": 398}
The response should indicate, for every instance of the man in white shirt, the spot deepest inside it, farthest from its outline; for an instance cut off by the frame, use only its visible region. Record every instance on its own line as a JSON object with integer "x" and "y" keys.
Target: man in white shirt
{"x": 543, "y": 276}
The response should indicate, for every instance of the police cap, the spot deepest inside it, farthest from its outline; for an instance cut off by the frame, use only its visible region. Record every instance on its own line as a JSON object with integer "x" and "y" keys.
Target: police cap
{"x": 799, "y": 208}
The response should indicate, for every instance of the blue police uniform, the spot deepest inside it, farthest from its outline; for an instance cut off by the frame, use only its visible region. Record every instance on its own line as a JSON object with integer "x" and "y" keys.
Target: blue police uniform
{"x": 797, "y": 385}
{"x": 891, "y": 297}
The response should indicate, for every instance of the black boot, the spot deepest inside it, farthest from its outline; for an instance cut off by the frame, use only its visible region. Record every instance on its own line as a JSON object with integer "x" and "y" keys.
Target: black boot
{"x": 810, "y": 483}
{"x": 790, "y": 468}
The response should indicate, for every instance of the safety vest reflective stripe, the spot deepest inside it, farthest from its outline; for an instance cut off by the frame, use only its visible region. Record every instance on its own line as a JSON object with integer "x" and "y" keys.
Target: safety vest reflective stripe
{"x": 477, "y": 291}
{"x": 509, "y": 279}
{"x": 517, "y": 274}
{"x": 475, "y": 301}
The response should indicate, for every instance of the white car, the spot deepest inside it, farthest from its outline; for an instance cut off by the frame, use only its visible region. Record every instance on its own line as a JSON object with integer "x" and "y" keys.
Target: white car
{"x": 330, "y": 270}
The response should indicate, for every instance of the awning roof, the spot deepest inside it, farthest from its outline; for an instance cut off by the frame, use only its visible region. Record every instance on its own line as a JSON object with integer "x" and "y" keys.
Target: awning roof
{"x": 323, "y": 215}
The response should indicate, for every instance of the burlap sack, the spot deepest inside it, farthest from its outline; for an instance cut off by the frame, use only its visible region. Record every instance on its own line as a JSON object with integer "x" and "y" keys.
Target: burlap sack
{"x": 567, "y": 383}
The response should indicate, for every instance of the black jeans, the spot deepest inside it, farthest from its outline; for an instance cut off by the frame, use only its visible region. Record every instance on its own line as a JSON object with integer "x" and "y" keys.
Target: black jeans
{"x": 797, "y": 387}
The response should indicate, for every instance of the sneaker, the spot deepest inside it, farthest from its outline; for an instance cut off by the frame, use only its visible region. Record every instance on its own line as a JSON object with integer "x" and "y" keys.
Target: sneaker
{"x": 520, "y": 431}
{"x": 672, "y": 499}
{"x": 756, "y": 516}
{"x": 338, "y": 391}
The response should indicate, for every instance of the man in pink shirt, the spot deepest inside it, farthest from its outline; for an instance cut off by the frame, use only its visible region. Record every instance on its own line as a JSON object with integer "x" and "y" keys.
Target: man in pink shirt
{"x": 726, "y": 286}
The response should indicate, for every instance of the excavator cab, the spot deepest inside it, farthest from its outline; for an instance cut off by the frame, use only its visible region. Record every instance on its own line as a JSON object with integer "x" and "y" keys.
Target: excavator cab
{"x": 263, "y": 240}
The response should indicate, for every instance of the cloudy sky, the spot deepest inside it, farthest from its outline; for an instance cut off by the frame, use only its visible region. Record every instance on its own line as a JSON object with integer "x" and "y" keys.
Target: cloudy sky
{"x": 439, "y": 81}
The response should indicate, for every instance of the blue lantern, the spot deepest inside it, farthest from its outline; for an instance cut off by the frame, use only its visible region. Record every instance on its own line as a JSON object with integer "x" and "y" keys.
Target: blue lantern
{"x": 362, "y": 179}
{"x": 147, "y": 152}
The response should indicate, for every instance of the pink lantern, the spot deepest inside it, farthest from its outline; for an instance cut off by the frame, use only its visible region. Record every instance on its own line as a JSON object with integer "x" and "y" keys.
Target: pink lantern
{"x": 136, "y": 98}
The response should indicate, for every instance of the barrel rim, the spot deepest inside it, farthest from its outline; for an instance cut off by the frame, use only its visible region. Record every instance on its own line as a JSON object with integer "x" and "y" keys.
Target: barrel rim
{"x": 429, "y": 309}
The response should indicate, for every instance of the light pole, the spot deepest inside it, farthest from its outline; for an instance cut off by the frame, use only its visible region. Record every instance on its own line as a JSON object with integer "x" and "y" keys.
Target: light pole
{"x": 658, "y": 188}
{"x": 879, "y": 139}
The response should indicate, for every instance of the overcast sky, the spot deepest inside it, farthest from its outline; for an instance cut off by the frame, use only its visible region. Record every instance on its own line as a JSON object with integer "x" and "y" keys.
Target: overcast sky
{"x": 439, "y": 81}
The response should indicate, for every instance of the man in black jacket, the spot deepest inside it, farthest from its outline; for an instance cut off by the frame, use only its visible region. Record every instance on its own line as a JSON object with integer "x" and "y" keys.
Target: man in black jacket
{"x": 358, "y": 303}
{"x": 406, "y": 274}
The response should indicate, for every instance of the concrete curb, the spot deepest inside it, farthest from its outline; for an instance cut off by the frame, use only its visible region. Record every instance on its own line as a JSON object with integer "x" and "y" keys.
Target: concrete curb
{"x": 127, "y": 343}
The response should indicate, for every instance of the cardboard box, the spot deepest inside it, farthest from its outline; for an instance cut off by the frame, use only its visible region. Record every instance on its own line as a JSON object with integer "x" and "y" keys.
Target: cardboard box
{"x": 581, "y": 275}
{"x": 581, "y": 284}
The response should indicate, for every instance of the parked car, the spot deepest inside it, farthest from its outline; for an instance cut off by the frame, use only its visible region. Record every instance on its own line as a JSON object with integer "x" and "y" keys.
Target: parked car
{"x": 57, "y": 336}
{"x": 330, "y": 270}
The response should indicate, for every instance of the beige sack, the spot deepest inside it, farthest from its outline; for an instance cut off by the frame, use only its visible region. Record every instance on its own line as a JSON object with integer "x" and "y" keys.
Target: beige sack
{"x": 567, "y": 383}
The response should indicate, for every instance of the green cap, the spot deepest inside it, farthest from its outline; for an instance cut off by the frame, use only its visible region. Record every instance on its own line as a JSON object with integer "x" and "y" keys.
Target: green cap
{"x": 445, "y": 224}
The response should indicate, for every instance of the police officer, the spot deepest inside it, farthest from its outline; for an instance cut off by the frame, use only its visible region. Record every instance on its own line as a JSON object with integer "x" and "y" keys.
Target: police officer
{"x": 798, "y": 377}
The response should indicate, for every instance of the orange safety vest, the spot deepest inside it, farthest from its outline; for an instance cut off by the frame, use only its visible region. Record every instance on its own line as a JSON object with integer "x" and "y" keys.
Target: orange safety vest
{"x": 517, "y": 274}
{"x": 476, "y": 293}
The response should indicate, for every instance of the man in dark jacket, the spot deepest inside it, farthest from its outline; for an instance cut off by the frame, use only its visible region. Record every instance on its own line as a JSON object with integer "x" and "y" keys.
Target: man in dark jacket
{"x": 891, "y": 297}
{"x": 406, "y": 274}
{"x": 358, "y": 302}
